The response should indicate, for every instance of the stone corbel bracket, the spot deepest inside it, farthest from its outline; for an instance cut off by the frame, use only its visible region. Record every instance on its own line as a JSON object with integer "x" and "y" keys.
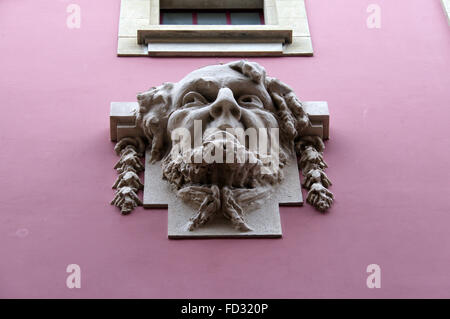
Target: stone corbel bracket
{"x": 123, "y": 116}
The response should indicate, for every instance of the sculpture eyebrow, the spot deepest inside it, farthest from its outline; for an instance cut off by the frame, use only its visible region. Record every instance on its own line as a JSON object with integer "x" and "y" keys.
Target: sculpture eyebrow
{"x": 256, "y": 93}
{"x": 208, "y": 88}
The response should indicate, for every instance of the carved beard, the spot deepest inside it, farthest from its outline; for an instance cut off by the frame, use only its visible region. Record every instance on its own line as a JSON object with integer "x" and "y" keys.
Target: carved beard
{"x": 205, "y": 179}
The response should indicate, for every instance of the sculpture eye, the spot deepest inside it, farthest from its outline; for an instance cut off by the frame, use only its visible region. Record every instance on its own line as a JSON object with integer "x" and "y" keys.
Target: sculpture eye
{"x": 194, "y": 99}
{"x": 250, "y": 101}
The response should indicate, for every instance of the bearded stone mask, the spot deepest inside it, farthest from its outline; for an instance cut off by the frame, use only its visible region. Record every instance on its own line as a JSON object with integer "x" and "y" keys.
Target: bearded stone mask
{"x": 222, "y": 138}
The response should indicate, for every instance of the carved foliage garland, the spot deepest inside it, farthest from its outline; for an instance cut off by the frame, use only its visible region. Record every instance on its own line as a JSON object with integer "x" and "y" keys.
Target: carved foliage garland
{"x": 129, "y": 166}
{"x": 310, "y": 150}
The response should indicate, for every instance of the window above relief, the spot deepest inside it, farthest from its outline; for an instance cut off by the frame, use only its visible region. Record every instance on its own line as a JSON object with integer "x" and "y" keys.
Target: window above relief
{"x": 214, "y": 28}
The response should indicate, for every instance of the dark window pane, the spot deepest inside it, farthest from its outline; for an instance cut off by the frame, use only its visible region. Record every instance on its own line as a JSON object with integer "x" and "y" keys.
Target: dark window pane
{"x": 245, "y": 18}
{"x": 211, "y": 18}
{"x": 177, "y": 18}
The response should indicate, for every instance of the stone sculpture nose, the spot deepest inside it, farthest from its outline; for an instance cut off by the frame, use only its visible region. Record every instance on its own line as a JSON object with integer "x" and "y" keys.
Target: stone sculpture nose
{"x": 225, "y": 111}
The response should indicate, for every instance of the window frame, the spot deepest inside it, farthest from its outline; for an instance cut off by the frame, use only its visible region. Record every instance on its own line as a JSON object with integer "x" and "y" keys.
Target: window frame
{"x": 446, "y": 6}
{"x": 286, "y": 24}
{"x": 227, "y": 12}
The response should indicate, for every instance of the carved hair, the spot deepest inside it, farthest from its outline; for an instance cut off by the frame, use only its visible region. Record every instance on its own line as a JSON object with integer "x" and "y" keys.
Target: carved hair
{"x": 291, "y": 116}
{"x": 156, "y": 106}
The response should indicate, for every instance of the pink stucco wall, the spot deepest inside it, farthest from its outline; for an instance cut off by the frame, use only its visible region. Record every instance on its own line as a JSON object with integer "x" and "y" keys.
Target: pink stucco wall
{"x": 388, "y": 90}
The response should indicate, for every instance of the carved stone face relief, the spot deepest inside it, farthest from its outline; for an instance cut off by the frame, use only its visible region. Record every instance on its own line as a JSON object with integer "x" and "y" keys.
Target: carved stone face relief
{"x": 222, "y": 139}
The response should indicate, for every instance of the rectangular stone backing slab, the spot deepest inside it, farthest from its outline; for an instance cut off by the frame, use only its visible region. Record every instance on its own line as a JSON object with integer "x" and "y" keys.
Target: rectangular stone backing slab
{"x": 265, "y": 221}
{"x": 157, "y": 192}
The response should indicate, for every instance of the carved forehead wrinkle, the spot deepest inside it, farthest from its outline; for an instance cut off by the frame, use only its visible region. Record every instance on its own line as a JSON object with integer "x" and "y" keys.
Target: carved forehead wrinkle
{"x": 209, "y": 79}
